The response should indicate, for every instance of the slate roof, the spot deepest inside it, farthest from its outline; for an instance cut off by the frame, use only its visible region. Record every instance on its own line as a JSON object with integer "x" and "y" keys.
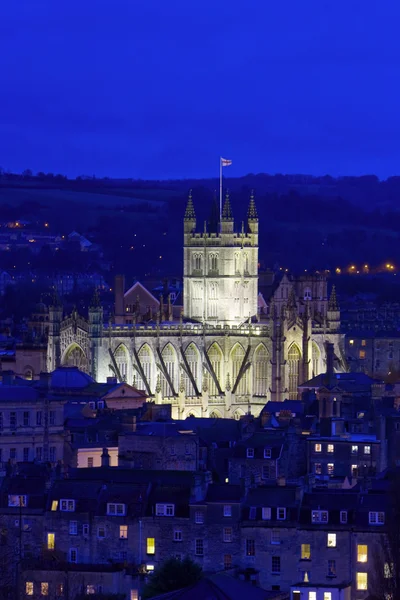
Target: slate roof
{"x": 223, "y": 493}
{"x": 274, "y": 496}
{"x": 294, "y": 406}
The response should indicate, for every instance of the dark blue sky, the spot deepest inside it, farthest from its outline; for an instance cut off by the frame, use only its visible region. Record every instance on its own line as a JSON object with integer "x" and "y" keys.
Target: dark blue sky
{"x": 161, "y": 88}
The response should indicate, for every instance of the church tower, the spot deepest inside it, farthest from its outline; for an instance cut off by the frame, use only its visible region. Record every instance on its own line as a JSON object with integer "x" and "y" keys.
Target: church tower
{"x": 221, "y": 268}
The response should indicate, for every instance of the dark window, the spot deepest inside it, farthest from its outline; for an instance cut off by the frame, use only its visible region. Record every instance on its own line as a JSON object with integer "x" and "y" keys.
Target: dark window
{"x": 276, "y": 564}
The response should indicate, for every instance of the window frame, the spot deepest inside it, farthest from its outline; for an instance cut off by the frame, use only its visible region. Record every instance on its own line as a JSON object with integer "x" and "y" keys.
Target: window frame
{"x": 114, "y": 512}
{"x": 250, "y": 453}
{"x": 266, "y": 510}
{"x": 67, "y": 505}
{"x": 278, "y": 518}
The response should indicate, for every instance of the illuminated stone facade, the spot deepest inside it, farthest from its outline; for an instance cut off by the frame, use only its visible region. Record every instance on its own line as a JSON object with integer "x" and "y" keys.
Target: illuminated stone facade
{"x": 231, "y": 350}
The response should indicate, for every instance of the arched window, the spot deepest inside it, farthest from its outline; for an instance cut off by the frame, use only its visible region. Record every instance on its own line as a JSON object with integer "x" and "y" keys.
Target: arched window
{"x": 316, "y": 355}
{"x": 215, "y": 356}
{"x": 215, "y": 415}
{"x": 246, "y": 262}
{"x": 237, "y": 360}
{"x": 307, "y": 293}
{"x": 75, "y": 357}
{"x": 237, "y": 414}
{"x": 260, "y": 381}
{"x": 169, "y": 358}
{"x": 293, "y": 368}
{"x": 121, "y": 358}
{"x": 213, "y": 300}
{"x": 237, "y": 262}
{"x": 197, "y": 299}
{"x": 213, "y": 262}
{"x": 146, "y": 361}
{"x": 28, "y": 373}
{"x": 197, "y": 262}
{"x": 192, "y": 357}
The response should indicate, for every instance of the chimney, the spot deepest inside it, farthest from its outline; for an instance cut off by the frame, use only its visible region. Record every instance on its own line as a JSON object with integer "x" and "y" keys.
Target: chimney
{"x": 105, "y": 458}
{"x": 119, "y": 290}
{"x": 329, "y": 358}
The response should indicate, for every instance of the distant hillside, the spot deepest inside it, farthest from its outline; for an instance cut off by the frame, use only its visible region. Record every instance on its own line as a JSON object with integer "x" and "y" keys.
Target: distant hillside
{"x": 305, "y": 222}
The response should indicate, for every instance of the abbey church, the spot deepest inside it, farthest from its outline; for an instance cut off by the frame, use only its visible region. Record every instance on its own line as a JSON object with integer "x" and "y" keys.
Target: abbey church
{"x": 233, "y": 344}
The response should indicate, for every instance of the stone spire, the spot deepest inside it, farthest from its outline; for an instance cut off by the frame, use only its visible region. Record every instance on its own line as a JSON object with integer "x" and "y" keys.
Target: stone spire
{"x": 252, "y": 212}
{"x": 190, "y": 215}
{"x": 227, "y": 210}
{"x": 333, "y": 303}
{"x": 95, "y": 301}
{"x": 292, "y": 304}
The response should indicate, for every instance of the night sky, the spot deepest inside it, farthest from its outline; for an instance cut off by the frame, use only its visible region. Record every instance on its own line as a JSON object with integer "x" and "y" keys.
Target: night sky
{"x": 162, "y": 88}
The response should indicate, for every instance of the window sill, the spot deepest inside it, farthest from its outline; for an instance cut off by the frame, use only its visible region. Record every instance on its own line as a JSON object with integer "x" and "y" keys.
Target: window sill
{"x": 305, "y": 560}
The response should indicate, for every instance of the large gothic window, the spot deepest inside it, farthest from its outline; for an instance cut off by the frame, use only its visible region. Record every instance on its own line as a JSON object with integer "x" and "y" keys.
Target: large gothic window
{"x": 213, "y": 262}
{"x": 197, "y": 299}
{"x": 294, "y": 369}
{"x": 260, "y": 371}
{"x": 197, "y": 261}
{"x": 246, "y": 262}
{"x": 213, "y": 300}
{"x": 192, "y": 357}
{"x": 316, "y": 355}
{"x": 75, "y": 357}
{"x": 169, "y": 358}
{"x": 215, "y": 356}
{"x": 307, "y": 293}
{"x": 146, "y": 360}
{"x": 237, "y": 361}
{"x": 237, "y": 262}
{"x": 121, "y": 358}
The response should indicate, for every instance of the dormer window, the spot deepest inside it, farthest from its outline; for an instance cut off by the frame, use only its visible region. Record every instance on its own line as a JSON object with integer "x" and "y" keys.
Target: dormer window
{"x": 250, "y": 452}
{"x": 17, "y": 500}
{"x": 376, "y": 518}
{"x": 281, "y": 513}
{"x": 165, "y": 510}
{"x": 319, "y": 516}
{"x": 116, "y": 509}
{"x": 67, "y": 505}
{"x": 267, "y": 453}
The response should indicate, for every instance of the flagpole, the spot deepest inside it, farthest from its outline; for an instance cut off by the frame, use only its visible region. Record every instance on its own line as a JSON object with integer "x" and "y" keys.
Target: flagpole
{"x": 220, "y": 191}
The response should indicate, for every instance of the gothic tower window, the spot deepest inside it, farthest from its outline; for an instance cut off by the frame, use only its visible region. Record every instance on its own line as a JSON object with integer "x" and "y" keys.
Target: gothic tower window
{"x": 260, "y": 371}
{"x": 236, "y": 299}
{"x": 293, "y": 369}
{"x": 145, "y": 357}
{"x": 215, "y": 356}
{"x": 169, "y": 358}
{"x": 316, "y": 355}
{"x": 307, "y": 294}
{"x": 237, "y": 262}
{"x": 197, "y": 262}
{"x": 237, "y": 360}
{"x": 75, "y": 357}
{"x": 197, "y": 299}
{"x": 213, "y": 300}
{"x": 246, "y": 262}
{"x": 192, "y": 357}
{"x": 121, "y": 358}
{"x": 213, "y": 262}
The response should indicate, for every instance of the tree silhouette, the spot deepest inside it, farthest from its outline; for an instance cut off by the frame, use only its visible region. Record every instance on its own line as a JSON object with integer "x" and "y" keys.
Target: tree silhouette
{"x": 173, "y": 574}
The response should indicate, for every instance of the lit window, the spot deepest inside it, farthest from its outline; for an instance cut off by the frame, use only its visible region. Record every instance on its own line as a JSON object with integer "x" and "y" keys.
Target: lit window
{"x": 44, "y": 588}
{"x": 90, "y": 589}
{"x": 312, "y": 595}
{"x": 281, "y": 514}
{"x": 354, "y": 470}
{"x": 361, "y": 354}
{"x": 134, "y": 595}
{"x": 305, "y": 552}
{"x": 51, "y": 538}
{"x": 354, "y": 449}
{"x": 362, "y": 581}
{"x": 362, "y": 553}
{"x": 227, "y": 510}
{"x": 123, "y": 532}
{"x": 318, "y": 447}
{"x": 330, "y": 468}
{"x": 90, "y": 461}
{"x": 376, "y": 518}
{"x": 266, "y": 513}
{"x": 331, "y": 540}
{"x": 351, "y": 342}
{"x": 327, "y": 596}
{"x": 343, "y": 516}
{"x": 177, "y": 535}
{"x": 54, "y": 505}
{"x": 151, "y": 546}
{"x": 363, "y": 342}
{"x": 367, "y": 449}
{"x": 227, "y": 535}
{"x": 250, "y": 453}
{"x": 19, "y": 501}
{"x": 331, "y": 448}
{"x": 275, "y": 536}
{"x": 149, "y": 567}
{"x": 199, "y": 517}
{"x": 29, "y": 588}
{"x": 67, "y": 505}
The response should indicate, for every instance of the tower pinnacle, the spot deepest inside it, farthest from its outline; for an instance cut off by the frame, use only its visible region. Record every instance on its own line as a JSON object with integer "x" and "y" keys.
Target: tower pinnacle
{"x": 252, "y": 212}
{"x": 190, "y": 215}
{"x": 227, "y": 210}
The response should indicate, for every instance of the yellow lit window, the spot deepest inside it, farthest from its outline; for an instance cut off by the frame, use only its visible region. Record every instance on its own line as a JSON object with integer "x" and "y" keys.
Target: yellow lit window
{"x": 331, "y": 541}
{"x": 134, "y": 595}
{"x": 363, "y": 342}
{"x": 44, "y": 588}
{"x": 351, "y": 342}
{"x": 305, "y": 552}
{"x": 312, "y": 595}
{"x": 362, "y": 354}
{"x": 151, "y": 546}
{"x": 331, "y": 448}
{"x": 123, "y": 532}
{"x": 327, "y": 595}
{"x": 90, "y": 589}
{"x": 362, "y": 553}
{"x": 362, "y": 581}
{"x": 51, "y": 541}
{"x": 318, "y": 448}
{"x": 29, "y": 588}
{"x": 54, "y": 505}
